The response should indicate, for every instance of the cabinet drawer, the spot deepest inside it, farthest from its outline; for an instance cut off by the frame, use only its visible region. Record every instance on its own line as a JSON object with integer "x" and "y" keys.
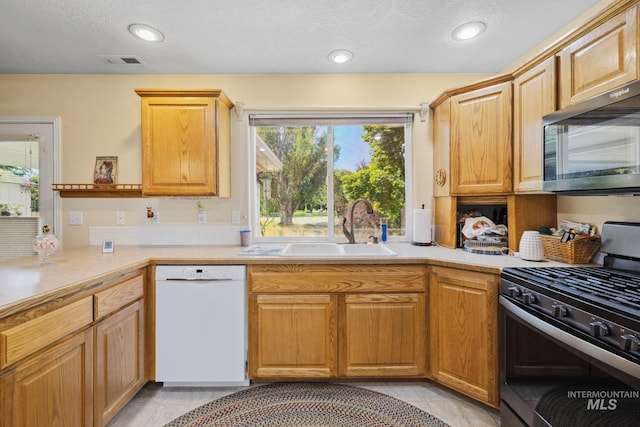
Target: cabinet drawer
{"x": 118, "y": 296}
{"x": 337, "y": 278}
{"x": 24, "y": 339}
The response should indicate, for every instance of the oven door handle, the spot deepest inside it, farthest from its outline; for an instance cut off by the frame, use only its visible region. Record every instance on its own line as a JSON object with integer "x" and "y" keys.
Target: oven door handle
{"x": 570, "y": 340}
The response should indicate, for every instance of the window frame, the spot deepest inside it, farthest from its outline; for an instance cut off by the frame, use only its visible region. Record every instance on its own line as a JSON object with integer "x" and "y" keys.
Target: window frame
{"x": 254, "y": 195}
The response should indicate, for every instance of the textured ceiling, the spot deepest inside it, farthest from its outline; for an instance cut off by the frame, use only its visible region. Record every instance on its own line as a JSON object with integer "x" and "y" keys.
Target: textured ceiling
{"x": 274, "y": 36}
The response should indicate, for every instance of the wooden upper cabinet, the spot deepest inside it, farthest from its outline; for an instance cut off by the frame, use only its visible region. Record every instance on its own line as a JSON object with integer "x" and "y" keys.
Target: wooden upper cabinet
{"x": 601, "y": 60}
{"x": 441, "y": 139}
{"x": 185, "y": 142}
{"x": 534, "y": 95}
{"x": 480, "y": 149}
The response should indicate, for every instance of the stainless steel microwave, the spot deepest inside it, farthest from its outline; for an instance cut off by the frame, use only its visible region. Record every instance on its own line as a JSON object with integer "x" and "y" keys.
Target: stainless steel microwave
{"x": 593, "y": 147}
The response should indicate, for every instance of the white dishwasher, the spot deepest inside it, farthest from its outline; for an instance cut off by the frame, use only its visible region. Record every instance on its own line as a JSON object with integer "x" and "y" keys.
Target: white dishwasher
{"x": 201, "y": 318}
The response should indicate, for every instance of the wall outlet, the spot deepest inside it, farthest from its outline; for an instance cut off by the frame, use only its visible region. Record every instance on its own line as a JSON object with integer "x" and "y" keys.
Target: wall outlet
{"x": 235, "y": 217}
{"x": 156, "y": 218}
{"x": 120, "y": 218}
{"x": 75, "y": 218}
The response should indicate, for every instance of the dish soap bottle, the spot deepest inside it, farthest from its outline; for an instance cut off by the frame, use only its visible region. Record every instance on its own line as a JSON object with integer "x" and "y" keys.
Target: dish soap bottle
{"x": 383, "y": 230}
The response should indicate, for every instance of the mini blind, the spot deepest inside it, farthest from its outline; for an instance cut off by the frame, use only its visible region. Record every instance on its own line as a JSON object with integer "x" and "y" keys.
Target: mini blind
{"x": 320, "y": 119}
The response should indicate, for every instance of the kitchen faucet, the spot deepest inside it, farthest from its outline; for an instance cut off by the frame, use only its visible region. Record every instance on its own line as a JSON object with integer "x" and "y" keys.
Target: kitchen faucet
{"x": 349, "y": 234}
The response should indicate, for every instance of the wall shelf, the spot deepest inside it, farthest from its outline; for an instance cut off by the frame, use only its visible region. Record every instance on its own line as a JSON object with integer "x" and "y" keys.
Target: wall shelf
{"x": 98, "y": 190}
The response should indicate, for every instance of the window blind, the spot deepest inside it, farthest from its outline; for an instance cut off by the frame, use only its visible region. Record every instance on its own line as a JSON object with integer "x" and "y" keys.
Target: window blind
{"x": 319, "y": 119}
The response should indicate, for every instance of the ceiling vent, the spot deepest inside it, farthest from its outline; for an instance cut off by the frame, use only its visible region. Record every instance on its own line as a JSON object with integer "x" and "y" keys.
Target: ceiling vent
{"x": 122, "y": 59}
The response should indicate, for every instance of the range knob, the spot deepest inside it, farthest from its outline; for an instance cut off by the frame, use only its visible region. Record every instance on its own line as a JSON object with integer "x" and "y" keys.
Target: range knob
{"x": 559, "y": 310}
{"x": 598, "y": 329}
{"x": 514, "y": 291}
{"x": 528, "y": 298}
{"x": 629, "y": 343}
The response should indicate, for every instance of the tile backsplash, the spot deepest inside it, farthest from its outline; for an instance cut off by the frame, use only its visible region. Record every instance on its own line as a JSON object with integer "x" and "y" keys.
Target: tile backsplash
{"x": 166, "y": 235}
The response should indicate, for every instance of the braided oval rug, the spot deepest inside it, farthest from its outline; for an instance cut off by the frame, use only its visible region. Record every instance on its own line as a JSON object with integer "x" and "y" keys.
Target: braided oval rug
{"x": 307, "y": 404}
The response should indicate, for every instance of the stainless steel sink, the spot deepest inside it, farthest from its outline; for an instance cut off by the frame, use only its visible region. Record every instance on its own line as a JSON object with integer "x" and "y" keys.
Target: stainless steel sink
{"x": 335, "y": 250}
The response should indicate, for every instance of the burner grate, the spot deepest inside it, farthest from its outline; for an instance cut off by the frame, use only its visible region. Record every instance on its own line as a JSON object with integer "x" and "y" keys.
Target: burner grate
{"x": 600, "y": 286}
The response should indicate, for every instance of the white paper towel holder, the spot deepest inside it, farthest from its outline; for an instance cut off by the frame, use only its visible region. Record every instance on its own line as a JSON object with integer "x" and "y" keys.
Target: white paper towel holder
{"x": 416, "y": 243}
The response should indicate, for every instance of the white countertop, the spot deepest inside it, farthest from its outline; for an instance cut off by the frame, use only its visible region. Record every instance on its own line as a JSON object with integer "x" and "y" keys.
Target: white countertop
{"x": 24, "y": 282}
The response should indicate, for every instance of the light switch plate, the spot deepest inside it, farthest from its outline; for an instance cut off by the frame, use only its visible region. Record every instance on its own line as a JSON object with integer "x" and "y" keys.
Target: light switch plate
{"x": 120, "y": 218}
{"x": 75, "y": 218}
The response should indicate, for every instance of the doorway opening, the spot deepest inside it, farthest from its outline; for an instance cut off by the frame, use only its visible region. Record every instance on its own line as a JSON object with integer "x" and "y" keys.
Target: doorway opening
{"x": 29, "y": 165}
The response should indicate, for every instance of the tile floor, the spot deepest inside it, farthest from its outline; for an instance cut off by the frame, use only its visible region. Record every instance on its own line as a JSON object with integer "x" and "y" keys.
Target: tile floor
{"x": 155, "y": 405}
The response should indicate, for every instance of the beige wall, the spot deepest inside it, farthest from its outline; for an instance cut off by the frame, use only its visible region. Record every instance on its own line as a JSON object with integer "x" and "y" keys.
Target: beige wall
{"x": 100, "y": 116}
{"x": 570, "y": 27}
{"x": 598, "y": 209}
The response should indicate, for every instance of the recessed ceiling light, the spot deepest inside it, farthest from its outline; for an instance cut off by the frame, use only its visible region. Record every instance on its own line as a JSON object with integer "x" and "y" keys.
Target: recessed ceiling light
{"x": 469, "y": 30}
{"x": 146, "y": 33}
{"x": 340, "y": 56}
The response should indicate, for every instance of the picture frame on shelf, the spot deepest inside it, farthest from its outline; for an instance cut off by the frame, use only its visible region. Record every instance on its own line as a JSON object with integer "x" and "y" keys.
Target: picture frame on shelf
{"x": 105, "y": 171}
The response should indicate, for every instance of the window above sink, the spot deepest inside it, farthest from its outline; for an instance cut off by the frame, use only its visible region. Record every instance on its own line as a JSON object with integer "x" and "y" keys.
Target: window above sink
{"x": 311, "y": 166}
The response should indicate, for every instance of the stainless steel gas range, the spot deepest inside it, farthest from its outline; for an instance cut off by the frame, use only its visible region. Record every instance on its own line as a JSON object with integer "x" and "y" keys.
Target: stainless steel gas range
{"x": 570, "y": 339}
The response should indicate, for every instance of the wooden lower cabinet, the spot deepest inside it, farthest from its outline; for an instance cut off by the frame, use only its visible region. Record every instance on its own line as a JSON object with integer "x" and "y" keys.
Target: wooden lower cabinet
{"x": 52, "y": 388}
{"x": 77, "y": 364}
{"x": 119, "y": 368}
{"x": 323, "y": 321}
{"x": 382, "y": 335}
{"x": 463, "y": 345}
{"x": 292, "y": 336}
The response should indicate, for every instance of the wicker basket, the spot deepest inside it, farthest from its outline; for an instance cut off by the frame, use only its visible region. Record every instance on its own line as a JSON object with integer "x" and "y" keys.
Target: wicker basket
{"x": 577, "y": 251}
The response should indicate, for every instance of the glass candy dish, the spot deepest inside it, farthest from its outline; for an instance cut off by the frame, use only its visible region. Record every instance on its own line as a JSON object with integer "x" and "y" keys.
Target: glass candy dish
{"x": 45, "y": 245}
